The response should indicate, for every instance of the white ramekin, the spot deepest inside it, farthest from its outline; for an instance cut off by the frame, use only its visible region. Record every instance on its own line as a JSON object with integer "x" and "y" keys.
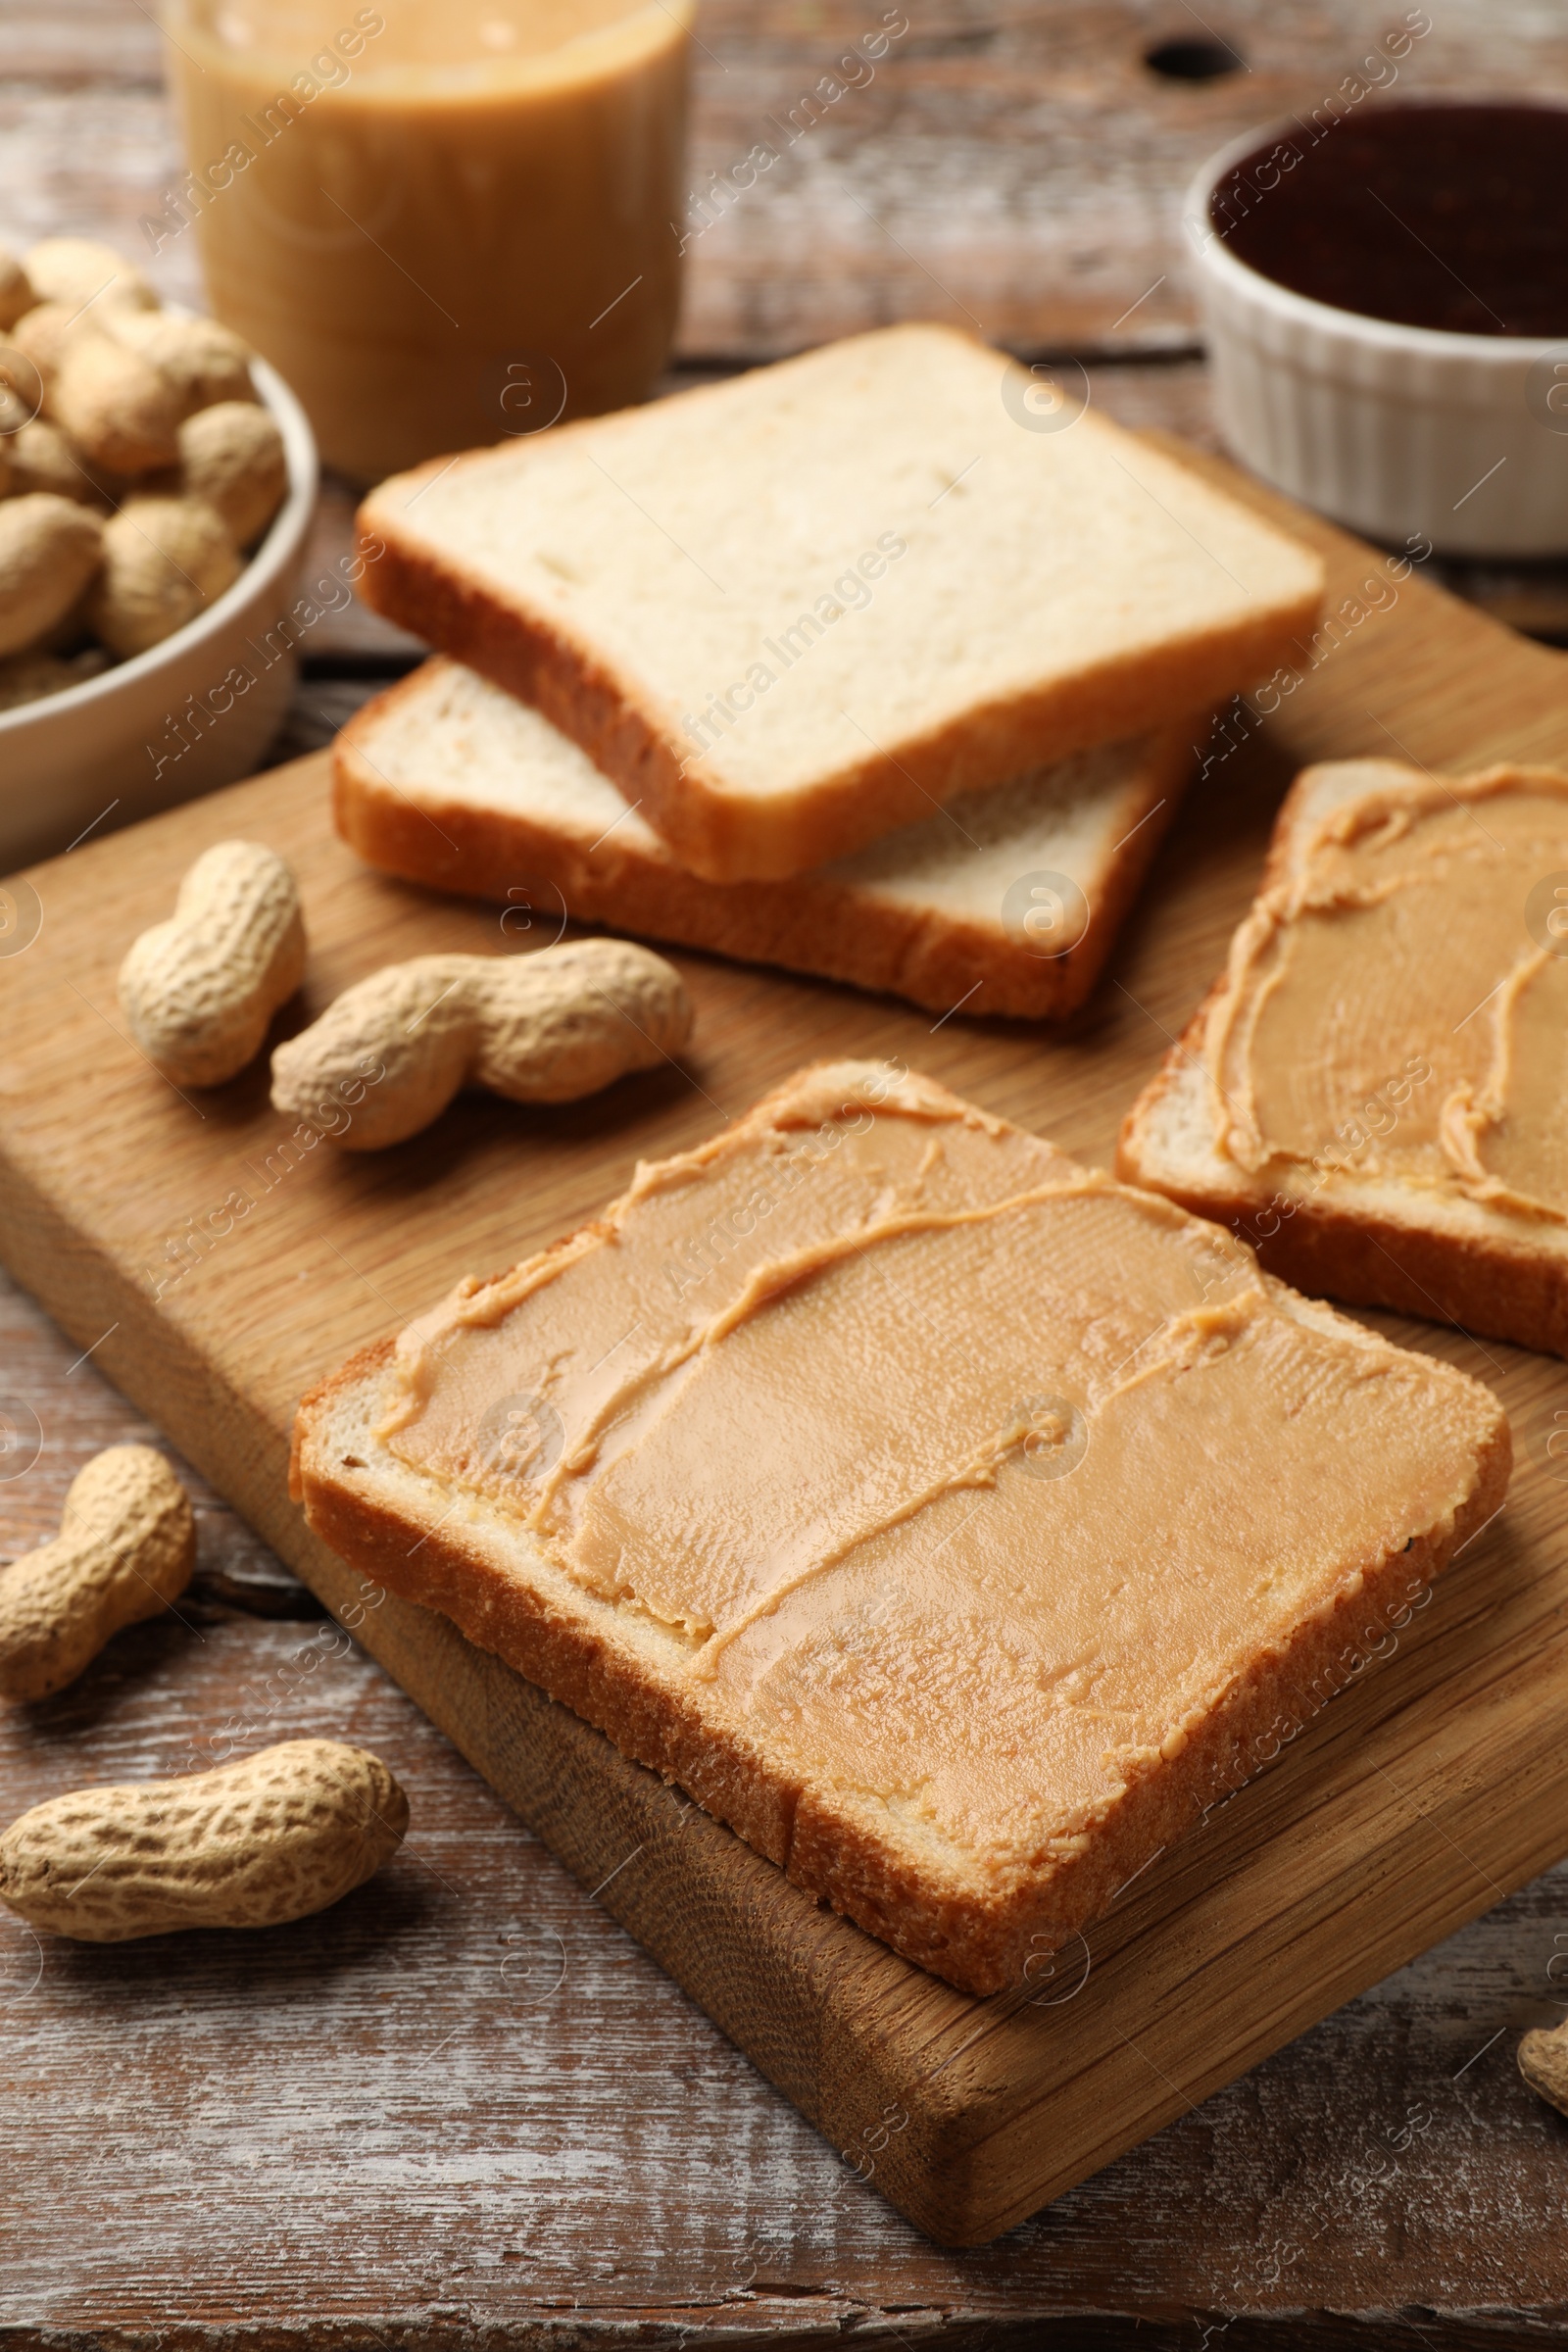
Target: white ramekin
{"x": 175, "y": 720}
{"x": 1394, "y": 430}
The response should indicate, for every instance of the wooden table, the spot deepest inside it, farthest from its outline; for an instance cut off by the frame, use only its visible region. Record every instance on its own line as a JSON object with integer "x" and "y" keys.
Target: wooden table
{"x": 463, "y": 2108}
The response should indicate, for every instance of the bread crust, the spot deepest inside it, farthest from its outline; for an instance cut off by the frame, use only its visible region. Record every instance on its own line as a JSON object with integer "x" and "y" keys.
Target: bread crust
{"x": 808, "y": 924}
{"x": 1488, "y": 1290}
{"x": 722, "y": 836}
{"x": 1493, "y": 1284}
{"x": 982, "y": 1934}
{"x": 725, "y": 835}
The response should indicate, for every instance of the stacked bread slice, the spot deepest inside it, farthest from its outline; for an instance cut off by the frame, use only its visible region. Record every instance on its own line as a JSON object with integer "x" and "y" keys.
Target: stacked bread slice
{"x": 448, "y": 780}
{"x": 883, "y": 594}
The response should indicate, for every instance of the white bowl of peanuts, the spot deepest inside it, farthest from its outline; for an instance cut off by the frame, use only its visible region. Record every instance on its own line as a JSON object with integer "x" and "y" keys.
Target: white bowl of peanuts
{"x": 156, "y": 487}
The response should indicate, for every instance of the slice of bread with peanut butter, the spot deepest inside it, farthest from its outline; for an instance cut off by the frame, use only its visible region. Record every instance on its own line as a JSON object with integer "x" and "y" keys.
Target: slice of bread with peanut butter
{"x": 789, "y": 612}
{"x": 1007, "y": 900}
{"x": 944, "y": 1516}
{"x": 1376, "y": 1089}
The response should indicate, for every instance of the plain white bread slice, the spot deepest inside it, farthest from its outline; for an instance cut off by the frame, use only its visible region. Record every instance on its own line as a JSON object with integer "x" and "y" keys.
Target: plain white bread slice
{"x": 1372, "y": 1239}
{"x": 785, "y": 612}
{"x": 447, "y": 780}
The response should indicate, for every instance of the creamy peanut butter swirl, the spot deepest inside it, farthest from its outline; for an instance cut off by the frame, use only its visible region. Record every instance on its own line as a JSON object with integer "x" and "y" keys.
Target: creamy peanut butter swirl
{"x": 962, "y": 1474}
{"x": 1397, "y": 999}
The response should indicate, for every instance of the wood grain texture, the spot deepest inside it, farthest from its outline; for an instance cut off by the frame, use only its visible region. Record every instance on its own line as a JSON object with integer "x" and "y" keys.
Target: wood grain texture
{"x": 1025, "y": 144}
{"x": 1436, "y": 1784}
{"x": 613, "y": 2170}
{"x": 463, "y": 2109}
{"x": 1014, "y": 163}
{"x": 409, "y": 2119}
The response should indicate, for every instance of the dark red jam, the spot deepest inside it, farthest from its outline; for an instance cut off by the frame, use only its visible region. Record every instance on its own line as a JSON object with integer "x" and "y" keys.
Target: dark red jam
{"x": 1438, "y": 215}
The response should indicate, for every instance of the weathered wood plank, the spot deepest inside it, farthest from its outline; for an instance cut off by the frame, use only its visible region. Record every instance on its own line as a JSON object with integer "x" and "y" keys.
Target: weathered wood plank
{"x": 234, "y": 1351}
{"x": 1010, "y": 164}
{"x": 463, "y": 2108}
{"x": 630, "y": 2158}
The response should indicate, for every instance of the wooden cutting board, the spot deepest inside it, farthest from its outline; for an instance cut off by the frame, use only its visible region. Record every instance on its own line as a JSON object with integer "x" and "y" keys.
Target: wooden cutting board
{"x": 1435, "y": 1782}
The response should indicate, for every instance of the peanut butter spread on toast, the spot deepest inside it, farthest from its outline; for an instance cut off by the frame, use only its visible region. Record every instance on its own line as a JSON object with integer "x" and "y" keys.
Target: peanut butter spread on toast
{"x": 1396, "y": 1003}
{"x": 959, "y": 1477}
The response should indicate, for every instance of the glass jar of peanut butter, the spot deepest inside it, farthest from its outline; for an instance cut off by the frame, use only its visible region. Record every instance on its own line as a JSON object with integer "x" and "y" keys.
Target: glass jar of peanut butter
{"x": 443, "y": 222}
